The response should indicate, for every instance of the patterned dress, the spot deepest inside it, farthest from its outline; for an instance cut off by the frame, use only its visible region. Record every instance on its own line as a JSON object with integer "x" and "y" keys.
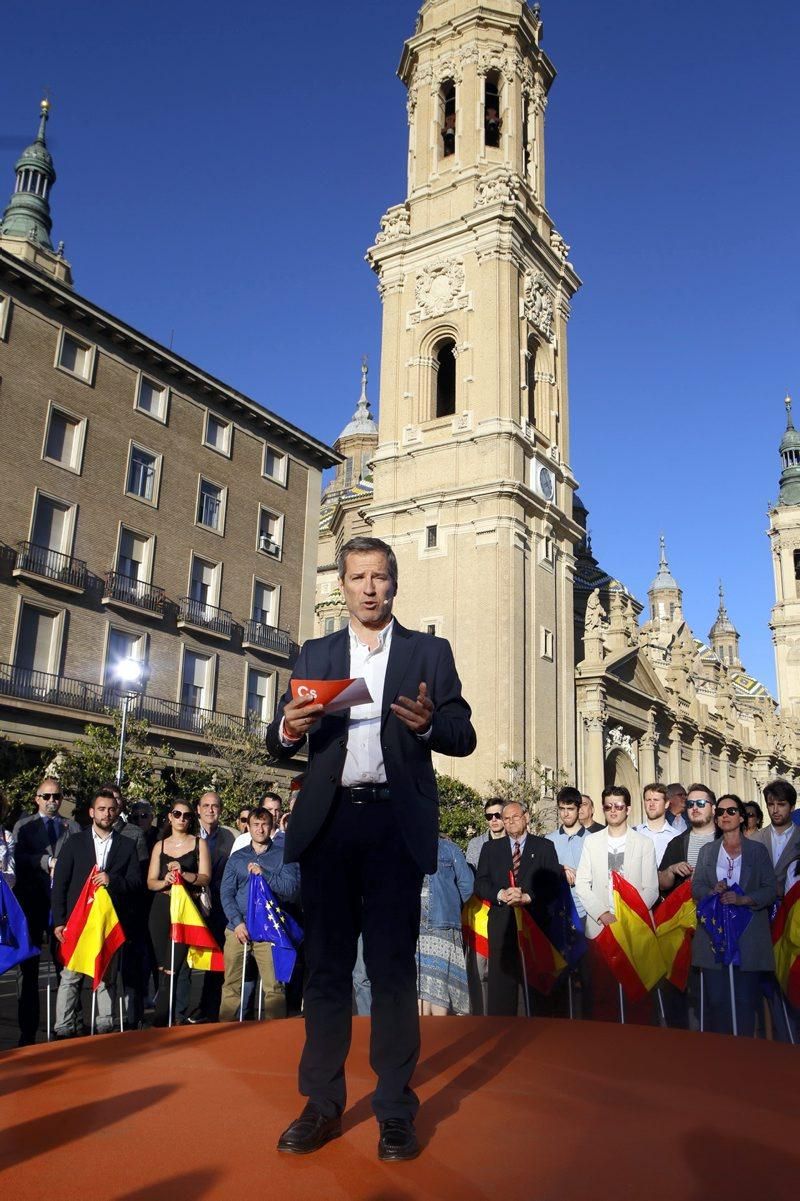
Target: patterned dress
{"x": 441, "y": 966}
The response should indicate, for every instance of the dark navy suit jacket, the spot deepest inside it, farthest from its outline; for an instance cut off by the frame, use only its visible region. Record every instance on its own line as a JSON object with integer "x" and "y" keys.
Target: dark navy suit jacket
{"x": 413, "y": 657}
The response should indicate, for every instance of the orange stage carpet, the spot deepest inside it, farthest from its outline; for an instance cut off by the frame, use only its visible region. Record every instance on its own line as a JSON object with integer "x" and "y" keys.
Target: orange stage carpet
{"x": 511, "y": 1111}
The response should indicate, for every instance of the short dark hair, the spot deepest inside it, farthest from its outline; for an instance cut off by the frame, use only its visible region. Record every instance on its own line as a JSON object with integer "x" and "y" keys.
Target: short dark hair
{"x": 675, "y": 790}
{"x": 262, "y": 814}
{"x": 272, "y": 796}
{"x": 617, "y": 790}
{"x": 703, "y": 788}
{"x": 661, "y": 789}
{"x": 781, "y": 790}
{"x": 568, "y": 796}
{"x": 107, "y": 793}
{"x": 493, "y": 800}
{"x": 363, "y": 545}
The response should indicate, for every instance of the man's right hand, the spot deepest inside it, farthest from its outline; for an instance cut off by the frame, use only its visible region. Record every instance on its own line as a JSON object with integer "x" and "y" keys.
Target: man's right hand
{"x": 241, "y": 933}
{"x": 569, "y": 872}
{"x": 606, "y": 919}
{"x": 299, "y": 716}
{"x": 58, "y": 931}
{"x": 511, "y": 896}
{"x": 681, "y": 869}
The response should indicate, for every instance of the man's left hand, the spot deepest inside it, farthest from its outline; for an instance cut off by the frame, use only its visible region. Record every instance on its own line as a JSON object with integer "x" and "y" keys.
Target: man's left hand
{"x": 415, "y": 715}
{"x": 254, "y": 869}
{"x": 100, "y": 879}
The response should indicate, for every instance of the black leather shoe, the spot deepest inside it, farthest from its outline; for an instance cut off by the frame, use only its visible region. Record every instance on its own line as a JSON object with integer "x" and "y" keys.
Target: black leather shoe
{"x": 309, "y": 1132}
{"x": 398, "y": 1139}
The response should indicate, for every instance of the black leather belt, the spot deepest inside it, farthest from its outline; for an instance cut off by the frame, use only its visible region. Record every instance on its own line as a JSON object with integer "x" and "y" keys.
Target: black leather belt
{"x": 364, "y": 794}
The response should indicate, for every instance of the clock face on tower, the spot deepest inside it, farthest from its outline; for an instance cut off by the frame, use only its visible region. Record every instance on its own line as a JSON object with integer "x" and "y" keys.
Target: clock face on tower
{"x": 546, "y": 483}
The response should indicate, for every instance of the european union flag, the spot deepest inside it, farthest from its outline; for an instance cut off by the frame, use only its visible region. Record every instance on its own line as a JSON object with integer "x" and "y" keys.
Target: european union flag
{"x": 267, "y": 922}
{"x": 724, "y": 925}
{"x": 565, "y": 928}
{"x": 15, "y": 943}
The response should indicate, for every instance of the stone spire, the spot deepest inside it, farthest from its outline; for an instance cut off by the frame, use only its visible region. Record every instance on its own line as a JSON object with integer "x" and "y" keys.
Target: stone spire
{"x": 666, "y": 598}
{"x": 790, "y": 461}
{"x": 723, "y": 635}
{"x": 361, "y": 423}
{"x": 26, "y": 223}
{"x": 357, "y": 442}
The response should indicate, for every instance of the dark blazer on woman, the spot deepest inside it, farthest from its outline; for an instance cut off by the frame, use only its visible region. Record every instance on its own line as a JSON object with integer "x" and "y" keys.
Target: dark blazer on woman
{"x": 757, "y": 880}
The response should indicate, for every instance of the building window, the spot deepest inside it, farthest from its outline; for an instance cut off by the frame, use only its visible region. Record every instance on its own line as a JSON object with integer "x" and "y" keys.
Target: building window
{"x": 445, "y": 378}
{"x": 64, "y": 438}
{"x": 53, "y": 526}
{"x": 218, "y": 434}
{"x": 491, "y": 109}
{"x": 431, "y": 533}
{"x": 75, "y": 356}
{"x": 275, "y": 464}
{"x": 548, "y": 643}
{"x": 447, "y": 100}
{"x": 211, "y": 506}
{"x": 152, "y": 398}
{"x": 430, "y": 628}
{"x": 121, "y": 646}
{"x": 5, "y": 309}
{"x": 265, "y": 603}
{"x": 144, "y": 471}
{"x": 530, "y": 379}
{"x": 38, "y": 645}
{"x": 260, "y": 692}
{"x": 330, "y": 625}
{"x": 270, "y": 532}
{"x": 196, "y": 680}
{"x": 548, "y": 549}
{"x": 135, "y": 555}
{"x": 526, "y": 137}
{"x": 796, "y": 557}
{"x": 204, "y": 582}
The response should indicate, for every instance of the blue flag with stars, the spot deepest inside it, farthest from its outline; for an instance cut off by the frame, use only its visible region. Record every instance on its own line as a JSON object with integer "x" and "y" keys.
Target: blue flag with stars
{"x": 565, "y": 927}
{"x": 15, "y": 943}
{"x": 267, "y": 922}
{"x": 724, "y": 925}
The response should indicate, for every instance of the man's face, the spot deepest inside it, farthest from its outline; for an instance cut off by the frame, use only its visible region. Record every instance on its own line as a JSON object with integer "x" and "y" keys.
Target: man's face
{"x": 242, "y": 820}
{"x": 655, "y": 805}
{"x": 568, "y": 815}
{"x": 260, "y": 830}
{"x": 209, "y": 809}
{"x": 586, "y": 811}
{"x": 780, "y": 813}
{"x": 616, "y": 812}
{"x": 103, "y": 813}
{"x": 494, "y": 820}
{"x": 48, "y": 798}
{"x": 699, "y": 809}
{"x": 677, "y": 803}
{"x": 515, "y": 821}
{"x": 368, "y": 588}
{"x": 274, "y": 808}
{"x": 142, "y": 817}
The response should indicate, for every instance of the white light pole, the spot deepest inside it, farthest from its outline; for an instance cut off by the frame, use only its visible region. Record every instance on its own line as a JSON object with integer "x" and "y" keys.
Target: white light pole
{"x": 127, "y": 672}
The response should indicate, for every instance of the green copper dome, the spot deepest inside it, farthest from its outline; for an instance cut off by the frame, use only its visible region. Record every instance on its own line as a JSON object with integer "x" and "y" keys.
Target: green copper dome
{"x": 790, "y": 461}
{"x": 28, "y": 212}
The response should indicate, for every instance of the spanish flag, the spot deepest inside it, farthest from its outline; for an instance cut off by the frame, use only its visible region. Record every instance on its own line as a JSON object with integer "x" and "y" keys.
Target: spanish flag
{"x": 92, "y": 934}
{"x": 544, "y": 963}
{"x": 475, "y": 925}
{"x": 676, "y": 921}
{"x": 187, "y": 926}
{"x": 786, "y": 944}
{"x": 629, "y": 945}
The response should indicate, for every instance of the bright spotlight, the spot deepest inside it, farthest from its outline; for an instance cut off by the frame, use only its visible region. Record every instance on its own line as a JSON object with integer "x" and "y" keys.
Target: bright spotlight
{"x": 129, "y": 671}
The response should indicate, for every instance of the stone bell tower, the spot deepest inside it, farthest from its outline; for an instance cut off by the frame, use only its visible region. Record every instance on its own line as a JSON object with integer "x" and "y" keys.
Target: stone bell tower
{"x": 473, "y": 487}
{"x": 784, "y": 533}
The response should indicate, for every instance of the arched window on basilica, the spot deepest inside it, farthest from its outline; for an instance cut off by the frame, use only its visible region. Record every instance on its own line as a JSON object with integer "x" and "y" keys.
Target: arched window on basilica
{"x": 447, "y": 101}
{"x": 445, "y": 369}
{"x": 492, "y": 122}
{"x": 529, "y": 405}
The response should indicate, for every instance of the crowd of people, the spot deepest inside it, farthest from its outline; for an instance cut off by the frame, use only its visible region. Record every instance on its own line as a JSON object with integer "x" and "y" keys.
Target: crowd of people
{"x": 719, "y": 843}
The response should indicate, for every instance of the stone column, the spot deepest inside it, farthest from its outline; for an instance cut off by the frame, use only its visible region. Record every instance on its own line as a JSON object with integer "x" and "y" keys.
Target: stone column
{"x": 724, "y": 770}
{"x": 647, "y": 757}
{"x": 697, "y": 759}
{"x": 594, "y": 778}
{"x": 675, "y": 759}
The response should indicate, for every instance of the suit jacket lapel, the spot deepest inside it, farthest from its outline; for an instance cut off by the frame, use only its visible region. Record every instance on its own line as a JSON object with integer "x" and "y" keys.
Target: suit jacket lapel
{"x": 395, "y": 668}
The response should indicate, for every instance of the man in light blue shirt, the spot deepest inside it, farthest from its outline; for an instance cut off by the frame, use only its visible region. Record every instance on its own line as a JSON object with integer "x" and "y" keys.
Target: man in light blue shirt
{"x": 569, "y": 840}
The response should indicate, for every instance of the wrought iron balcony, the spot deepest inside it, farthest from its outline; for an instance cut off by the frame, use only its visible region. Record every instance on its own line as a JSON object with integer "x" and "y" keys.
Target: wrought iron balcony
{"x": 50, "y": 689}
{"x": 130, "y": 593}
{"x": 206, "y": 619}
{"x": 260, "y": 637}
{"x": 42, "y": 563}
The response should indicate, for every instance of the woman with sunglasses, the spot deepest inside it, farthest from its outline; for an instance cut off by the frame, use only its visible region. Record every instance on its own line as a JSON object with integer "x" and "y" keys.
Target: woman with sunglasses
{"x": 179, "y": 851}
{"x": 732, "y": 860}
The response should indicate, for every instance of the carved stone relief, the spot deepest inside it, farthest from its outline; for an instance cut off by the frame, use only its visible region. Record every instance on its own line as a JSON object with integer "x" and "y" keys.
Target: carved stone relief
{"x": 439, "y": 289}
{"x": 538, "y": 303}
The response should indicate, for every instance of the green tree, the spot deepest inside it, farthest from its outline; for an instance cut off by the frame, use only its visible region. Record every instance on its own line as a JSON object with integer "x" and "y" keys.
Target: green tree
{"x": 91, "y": 762}
{"x": 21, "y": 769}
{"x": 239, "y": 774}
{"x": 535, "y": 788}
{"x": 460, "y": 810}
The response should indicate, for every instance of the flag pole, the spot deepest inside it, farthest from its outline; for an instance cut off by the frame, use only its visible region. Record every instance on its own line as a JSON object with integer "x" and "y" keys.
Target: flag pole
{"x": 241, "y": 994}
{"x": 513, "y": 884}
{"x": 661, "y": 1007}
{"x": 733, "y": 1000}
{"x": 120, "y": 997}
{"x": 702, "y": 1001}
{"x": 569, "y": 990}
{"x": 786, "y": 1016}
{"x": 49, "y": 973}
{"x": 171, "y": 978}
{"x": 261, "y": 994}
{"x": 94, "y": 1008}
{"x": 621, "y": 1006}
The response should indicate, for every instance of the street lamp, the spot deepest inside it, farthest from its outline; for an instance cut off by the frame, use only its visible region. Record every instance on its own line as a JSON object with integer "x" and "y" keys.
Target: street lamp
{"x": 129, "y": 674}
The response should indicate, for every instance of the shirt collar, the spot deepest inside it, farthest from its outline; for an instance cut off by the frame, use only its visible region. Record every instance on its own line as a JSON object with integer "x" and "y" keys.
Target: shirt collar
{"x": 383, "y": 637}
{"x": 579, "y": 833}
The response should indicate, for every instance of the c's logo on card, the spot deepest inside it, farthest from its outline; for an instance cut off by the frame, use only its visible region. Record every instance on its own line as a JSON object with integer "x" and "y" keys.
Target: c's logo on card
{"x": 303, "y": 692}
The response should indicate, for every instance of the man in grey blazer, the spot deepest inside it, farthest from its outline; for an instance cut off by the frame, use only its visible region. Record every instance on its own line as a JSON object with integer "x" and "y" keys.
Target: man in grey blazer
{"x": 782, "y": 837}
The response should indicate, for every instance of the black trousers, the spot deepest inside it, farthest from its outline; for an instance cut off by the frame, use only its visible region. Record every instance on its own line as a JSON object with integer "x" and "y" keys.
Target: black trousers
{"x": 505, "y": 975}
{"x": 359, "y": 877}
{"x": 28, "y": 1006}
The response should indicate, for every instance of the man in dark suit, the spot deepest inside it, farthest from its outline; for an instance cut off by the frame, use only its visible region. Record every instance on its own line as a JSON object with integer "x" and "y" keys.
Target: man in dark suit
{"x": 40, "y": 837}
{"x": 111, "y": 860}
{"x": 219, "y": 840}
{"x": 365, "y": 831}
{"x": 531, "y": 862}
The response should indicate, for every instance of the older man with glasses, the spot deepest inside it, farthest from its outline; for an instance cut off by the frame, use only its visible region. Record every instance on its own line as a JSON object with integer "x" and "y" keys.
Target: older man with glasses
{"x": 39, "y": 839}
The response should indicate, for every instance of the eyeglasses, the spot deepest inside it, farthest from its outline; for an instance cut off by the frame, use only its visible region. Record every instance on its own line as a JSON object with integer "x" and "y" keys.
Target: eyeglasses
{"x": 697, "y": 804}
{"x": 727, "y": 812}
{"x": 180, "y": 814}
{"x": 617, "y": 806}
{"x": 491, "y": 817}
{"x": 50, "y": 796}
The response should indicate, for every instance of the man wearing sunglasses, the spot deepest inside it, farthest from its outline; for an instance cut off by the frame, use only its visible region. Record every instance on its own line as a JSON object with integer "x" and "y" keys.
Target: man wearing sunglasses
{"x": 39, "y": 838}
{"x": 493, "y": 815}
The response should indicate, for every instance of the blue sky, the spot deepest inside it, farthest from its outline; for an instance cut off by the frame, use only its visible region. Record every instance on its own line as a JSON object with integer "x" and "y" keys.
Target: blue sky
{"x": 222, "y": 169}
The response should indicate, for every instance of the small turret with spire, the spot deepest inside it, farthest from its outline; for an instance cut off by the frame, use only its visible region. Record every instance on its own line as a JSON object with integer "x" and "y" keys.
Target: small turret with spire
{"x": 357, "y": 441}
{"x": 666, "y": 598}
{"x": 790, "y": 461}
{"x": 26, "y": 223}
{"x": 724, "y": 637}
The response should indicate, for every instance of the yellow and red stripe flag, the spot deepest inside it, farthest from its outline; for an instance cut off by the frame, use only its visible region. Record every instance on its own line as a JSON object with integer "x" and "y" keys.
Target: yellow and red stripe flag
{"x": 544, "y": 963}
{"x": 786, "y": 944}
{"x": 92, "y": 934}
{"x": 676, "y": 921}
{"x": 475, "y": 925}
{"x": 187, "y": 926}
{"x": 629, "y": 945}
